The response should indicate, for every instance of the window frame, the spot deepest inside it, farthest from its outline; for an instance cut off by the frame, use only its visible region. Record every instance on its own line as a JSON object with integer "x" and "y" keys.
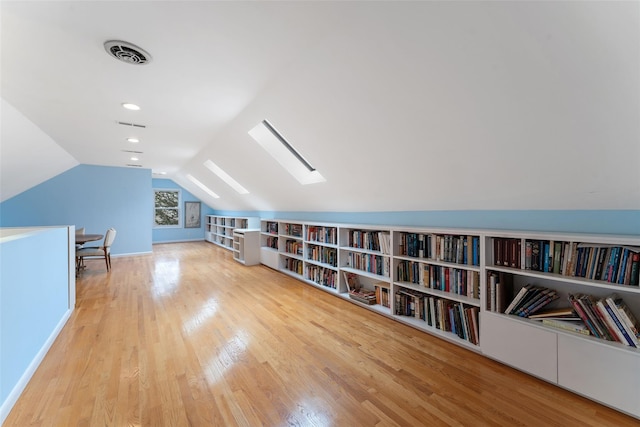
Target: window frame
{"x": 178, "y": 207}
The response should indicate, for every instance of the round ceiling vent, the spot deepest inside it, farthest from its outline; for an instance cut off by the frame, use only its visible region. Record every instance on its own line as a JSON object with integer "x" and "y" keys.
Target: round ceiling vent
{"x": 127, "y": 52}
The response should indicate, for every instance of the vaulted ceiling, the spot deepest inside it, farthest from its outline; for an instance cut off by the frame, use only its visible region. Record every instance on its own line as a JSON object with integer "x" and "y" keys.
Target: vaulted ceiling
{"x": 400, "y": 105}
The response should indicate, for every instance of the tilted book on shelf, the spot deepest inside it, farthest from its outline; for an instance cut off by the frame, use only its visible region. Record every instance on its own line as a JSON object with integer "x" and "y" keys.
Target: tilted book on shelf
{"x": 625, "y": 313}
{"x": 557, "y": 313}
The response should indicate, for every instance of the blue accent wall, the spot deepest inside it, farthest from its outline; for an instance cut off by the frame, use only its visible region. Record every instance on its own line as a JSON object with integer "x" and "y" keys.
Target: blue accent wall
{"x": 32, "y": 300}
{"x": 94, "y": 197}
{"x": 180, "y": 234}
{"x": 626, "y": 222}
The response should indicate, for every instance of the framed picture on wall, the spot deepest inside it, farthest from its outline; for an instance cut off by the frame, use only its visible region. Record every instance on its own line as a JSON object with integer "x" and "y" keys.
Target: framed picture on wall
{"x": 191, "y": 214}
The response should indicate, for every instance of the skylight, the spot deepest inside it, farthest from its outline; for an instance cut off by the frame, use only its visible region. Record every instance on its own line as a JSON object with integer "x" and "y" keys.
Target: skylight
{"x": 275, "y": 144}
{"x": 202, "y": 186}
{"x": 225, "y": 177}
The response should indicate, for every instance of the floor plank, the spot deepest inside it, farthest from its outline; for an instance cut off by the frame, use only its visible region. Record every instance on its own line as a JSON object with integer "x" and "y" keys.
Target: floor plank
{"x": 188, "y": 337}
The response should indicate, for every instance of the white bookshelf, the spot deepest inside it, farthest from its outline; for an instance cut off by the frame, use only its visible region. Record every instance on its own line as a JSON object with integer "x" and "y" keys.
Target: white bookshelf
{"x": 602, "y": 370}
{"x": 246, "y": 246}
{"x": 219, "y": 229}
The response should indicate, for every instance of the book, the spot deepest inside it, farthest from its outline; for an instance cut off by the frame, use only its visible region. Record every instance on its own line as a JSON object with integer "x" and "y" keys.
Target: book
{"x": 566, "y": 312}
{"x": 635, "y": 270}
{"x": 587, "y": 302}
{"x": 557, "y": 257}
{"x": 516, "y": 300}
{"x": 624, "y": 334}
{"x": 583, "y": 315}
{"x": 612, "y": 325}
{"x": 526, "y": 299}
{"x": 543, "y": 298}
{"x": 625, "y": 314}
{"x": 535, "y": 255}
{"x": 578, "y": 327}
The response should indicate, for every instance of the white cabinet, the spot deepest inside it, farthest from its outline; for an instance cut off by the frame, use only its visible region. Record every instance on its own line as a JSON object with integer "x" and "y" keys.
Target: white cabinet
{"x": 607, "y": 373}
{"x": 246, "y": 246}
{"x": 530, "y": 349}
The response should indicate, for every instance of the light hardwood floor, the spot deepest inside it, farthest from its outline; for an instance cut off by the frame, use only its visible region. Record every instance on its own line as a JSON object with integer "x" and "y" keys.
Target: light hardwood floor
{"x": 187, "y": 336}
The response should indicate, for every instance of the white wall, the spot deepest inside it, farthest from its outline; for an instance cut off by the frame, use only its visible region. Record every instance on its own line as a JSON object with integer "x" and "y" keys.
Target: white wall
{"x": 450, "y": 105}
{"x": 28, "y": 155}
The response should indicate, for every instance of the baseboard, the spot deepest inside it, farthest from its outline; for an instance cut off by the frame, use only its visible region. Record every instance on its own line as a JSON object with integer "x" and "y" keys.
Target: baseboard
{"x": 201, "y": 239}
{"x": 17, "y": 390}
{"x": 131, "y": 254}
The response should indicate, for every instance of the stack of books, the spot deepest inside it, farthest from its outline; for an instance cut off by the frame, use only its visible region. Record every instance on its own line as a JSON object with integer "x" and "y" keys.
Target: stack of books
{"x": 357, "y": 292}
{"x": 608, "y": 318}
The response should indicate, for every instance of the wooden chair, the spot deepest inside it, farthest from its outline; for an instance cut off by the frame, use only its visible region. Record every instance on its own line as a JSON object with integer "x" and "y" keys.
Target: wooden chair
{"x": 103, "y": 251}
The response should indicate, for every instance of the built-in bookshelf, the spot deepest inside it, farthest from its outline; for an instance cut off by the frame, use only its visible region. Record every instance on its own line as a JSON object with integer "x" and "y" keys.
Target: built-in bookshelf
{"x": 321, "y": 255}
{"x": 460, "y": 285}
{"x": 437, "y": 282}
{"x": 219, "y": 229}
{"x": 559, "y": 299}
{"x": 291, "y": 248}
{"x": 269, "y": 243}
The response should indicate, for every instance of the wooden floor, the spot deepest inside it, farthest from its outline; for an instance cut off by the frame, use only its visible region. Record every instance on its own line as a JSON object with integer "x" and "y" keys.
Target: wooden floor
{"x": 187, "y": 336}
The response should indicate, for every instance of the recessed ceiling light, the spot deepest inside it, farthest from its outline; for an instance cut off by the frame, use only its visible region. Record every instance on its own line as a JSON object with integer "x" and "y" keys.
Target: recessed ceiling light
{"x": 129, "y": 106}
{"x": 133, "y": 140}
{"x": 135, "y": 159}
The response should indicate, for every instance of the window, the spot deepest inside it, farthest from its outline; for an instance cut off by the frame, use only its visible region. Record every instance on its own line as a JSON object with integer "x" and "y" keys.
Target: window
{"x": 167, "y": 208}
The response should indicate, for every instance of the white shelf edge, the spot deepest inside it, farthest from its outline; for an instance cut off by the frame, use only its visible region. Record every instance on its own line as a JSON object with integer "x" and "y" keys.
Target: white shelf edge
{"x": 365, "y": 273}
{"x": 441, "y": 294}
{"x": 567, "y": 279}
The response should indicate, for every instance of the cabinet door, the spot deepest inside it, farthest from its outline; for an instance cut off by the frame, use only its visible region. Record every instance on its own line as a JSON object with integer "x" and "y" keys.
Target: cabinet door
{"x": 527, "y": 348}
{"x": 608, "y": 374}
{"x": 269, "y": 257}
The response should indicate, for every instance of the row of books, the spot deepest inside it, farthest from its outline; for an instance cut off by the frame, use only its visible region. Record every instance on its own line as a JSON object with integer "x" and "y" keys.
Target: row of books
{"x": 271, "y": 242}
{"x": 322, "y": 276}
{"x": 608, "y": 318}
{"x": 322, "y": 234}
{"x": 449, "y": 248}
{"x": 323, "y": 254}
{"x": 294, "y": 230}
{"x": 292, "y": 264}
{"x": 613, "y": 264}
{"x": 376, "y": 264}
{"x": 271, "y": 227}
{"x": 371, "y": 240}
{"x": 507, "y": 252}
{"x": 610, "y": 263}
{"x": 294, "y": 247}
{"x": 382, "y": 294}
{"x": 446, "y": 279}
{"x": 439, "y": 313}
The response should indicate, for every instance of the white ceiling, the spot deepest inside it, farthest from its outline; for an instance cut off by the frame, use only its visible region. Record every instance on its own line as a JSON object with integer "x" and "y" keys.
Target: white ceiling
{"x": 400, "y": 105}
